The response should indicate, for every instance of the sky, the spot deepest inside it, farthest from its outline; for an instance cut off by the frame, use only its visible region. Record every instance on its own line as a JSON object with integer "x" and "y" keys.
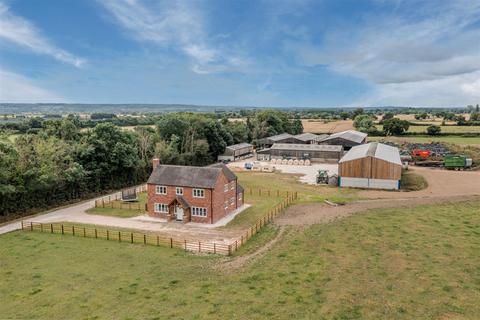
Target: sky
{"x": 266, "y": 53}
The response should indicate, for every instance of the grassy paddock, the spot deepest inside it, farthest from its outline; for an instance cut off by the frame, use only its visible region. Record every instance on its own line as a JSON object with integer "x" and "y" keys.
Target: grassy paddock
{"x": 261, "y": 205}
{"x": 419, "y": 263}
{"x": 122, "y": 213}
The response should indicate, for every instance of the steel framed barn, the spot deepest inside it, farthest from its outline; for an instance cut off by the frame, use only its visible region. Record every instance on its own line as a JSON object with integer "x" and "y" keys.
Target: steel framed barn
{"x": 347, "y": 139}
{"x": 312, "y": 152}
{"x": 280, "y": 138}
{"x": 372, "y": 165}
{"x": 236, "y": 151}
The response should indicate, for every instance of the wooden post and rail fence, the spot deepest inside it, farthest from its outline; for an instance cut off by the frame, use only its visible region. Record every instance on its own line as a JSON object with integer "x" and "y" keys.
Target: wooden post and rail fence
{"x": 162, "y": 240}
{"x": 112, "y": 201}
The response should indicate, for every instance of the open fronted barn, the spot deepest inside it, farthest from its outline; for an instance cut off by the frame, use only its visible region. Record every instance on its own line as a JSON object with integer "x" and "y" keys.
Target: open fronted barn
{"x": 373, "y": 165}
{"x": 347, "y": 139}
{"x": 236, "y": 151}
{"x": 312, "y": 152}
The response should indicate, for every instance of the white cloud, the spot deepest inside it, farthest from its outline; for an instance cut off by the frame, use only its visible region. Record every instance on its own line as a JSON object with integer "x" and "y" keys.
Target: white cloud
{"x": 422, "y": 54}
{"x": 21, "y": 32}
{"x": 178, "y": 25}
{"x": 15, "y": 88}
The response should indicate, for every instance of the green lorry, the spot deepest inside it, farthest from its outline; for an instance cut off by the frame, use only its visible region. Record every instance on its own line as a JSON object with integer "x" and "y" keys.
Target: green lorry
{"x": 457, "y": 162}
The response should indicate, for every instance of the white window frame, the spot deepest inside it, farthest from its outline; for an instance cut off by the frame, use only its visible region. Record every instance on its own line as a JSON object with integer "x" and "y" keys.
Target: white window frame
{"x": 225, "y": 187}
{"x": 240, "y": 196}
{"x": 232, "y": 201}
{"x": 181, "y": 191}
{"x": 232, "y": 185}
{"x": 199, "y": 212}
{"x": 157, "y": 188}
{"x": 225, "y": 205}
{"x": 196, "y": 193}
{"x": 160, "y": 207}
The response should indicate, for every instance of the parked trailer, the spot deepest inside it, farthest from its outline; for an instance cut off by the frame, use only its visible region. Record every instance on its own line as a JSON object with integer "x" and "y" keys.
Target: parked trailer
{"x": 457, "y": 162}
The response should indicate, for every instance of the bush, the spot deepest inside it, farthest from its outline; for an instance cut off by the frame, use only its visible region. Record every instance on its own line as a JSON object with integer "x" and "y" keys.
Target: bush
{"x": 433, "y": 130}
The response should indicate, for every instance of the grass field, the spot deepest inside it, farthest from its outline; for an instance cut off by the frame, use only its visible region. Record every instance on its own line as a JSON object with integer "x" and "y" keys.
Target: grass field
{"x": 419, "y": 263}
{"x": 283, "y": 182}
{"x": 428, "y": 139}
{"x": 122, "y": 213}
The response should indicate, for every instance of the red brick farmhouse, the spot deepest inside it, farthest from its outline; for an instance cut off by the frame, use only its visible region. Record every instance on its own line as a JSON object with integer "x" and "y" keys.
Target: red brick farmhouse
{"x": 197, "y": 194}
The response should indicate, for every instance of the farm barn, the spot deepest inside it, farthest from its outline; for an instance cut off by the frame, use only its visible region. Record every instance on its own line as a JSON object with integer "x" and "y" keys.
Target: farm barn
{"x": 313, "y": 152}
{"x": 373, "y": 165}
{"x": 347, "y": 139}
{"x": 281, "y": 138}
{"x": 236, "y": 151}
{"x": 310, "y": 138}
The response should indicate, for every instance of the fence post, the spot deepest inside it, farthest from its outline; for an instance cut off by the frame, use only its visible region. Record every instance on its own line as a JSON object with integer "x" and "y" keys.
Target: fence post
{"x": 119, "y": 236}
{"x": 73, "y": 230}
{"x": 103, "y": 203}
{"x": 131, "y": 237}
{"x": 31, "y": 226}
{"x": 171, "y": 243}
{"x": 108, "y": 235}
{"x": 41, "y": 227}
{"x": 84, "y": 232}
{"x": 229, "y": 249}
{"x": 199, "y": 247}
{"x": 214, "y": 247}
{"x": 185, "y": 244}
{"x": 22, "y": 224}
{"x": 51, "y": 227}
{"x": 144, "y": 238}
{"x": 96, "y": 233}
{"x": 63, "y": 230}
{"x": 236, "y": 247}
{"x": 241, "y": 241}
{"x": 158, "y": 240}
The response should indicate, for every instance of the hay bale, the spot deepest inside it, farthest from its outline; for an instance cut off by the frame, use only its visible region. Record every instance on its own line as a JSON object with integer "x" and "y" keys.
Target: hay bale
{"x": 284, "y": 161}
{"x": 295, "y": 162}
{"x": 290, "y": 162}
{"x": 301, "y": 162}
{"x": 307, "y": 162}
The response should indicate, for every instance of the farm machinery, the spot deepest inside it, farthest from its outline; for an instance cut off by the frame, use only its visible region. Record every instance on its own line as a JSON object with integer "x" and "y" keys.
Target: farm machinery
{"x": 437, "y": 155}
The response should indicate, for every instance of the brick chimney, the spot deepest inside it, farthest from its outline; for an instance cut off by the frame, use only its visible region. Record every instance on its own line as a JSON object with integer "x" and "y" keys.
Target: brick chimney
{"x": 155, "y": 163}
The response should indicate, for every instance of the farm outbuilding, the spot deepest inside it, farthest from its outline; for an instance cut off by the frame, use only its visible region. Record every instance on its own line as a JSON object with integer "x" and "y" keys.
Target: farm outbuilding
{"x": 236, "y": 151}
{"x": 372, "y": 165}
{"x": 280, "y": 138}
{"x": 313, "y": 152}
{"x": 310, "y": 138}
{"x": 347, "y": 139}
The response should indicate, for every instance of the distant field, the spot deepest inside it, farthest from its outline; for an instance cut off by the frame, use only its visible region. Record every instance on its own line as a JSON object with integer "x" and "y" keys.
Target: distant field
{"x": 445, "y": 129}
{"x": 409, "y": 263}
{"x": 323, "y": 126}
{"x": 427, "y": 139}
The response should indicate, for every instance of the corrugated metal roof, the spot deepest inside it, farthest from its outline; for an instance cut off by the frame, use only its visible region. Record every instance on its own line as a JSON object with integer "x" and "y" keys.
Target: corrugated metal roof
{"x": 306, "y": 147}
{"x": 280, "y": 137}
{"x": 239, "y": 146}
{"x": 188, "y": 176}
{"x": 307, "y": 136}
{"x": 352, "y": 135}
{"x": 373, "y": 149}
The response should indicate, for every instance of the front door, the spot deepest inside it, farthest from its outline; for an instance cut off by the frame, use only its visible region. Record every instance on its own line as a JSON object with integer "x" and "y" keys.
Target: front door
{"x": 179, "y": 212}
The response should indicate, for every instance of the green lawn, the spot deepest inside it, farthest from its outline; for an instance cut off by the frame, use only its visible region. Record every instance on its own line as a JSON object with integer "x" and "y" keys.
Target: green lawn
{"x": 419, "y": 263}
{"x": 123, "y": 212}
{"x": 428, "y": 139}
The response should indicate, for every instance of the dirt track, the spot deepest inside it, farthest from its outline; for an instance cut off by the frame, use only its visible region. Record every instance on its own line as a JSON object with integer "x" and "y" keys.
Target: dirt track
{"x": 443, "y": 186}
